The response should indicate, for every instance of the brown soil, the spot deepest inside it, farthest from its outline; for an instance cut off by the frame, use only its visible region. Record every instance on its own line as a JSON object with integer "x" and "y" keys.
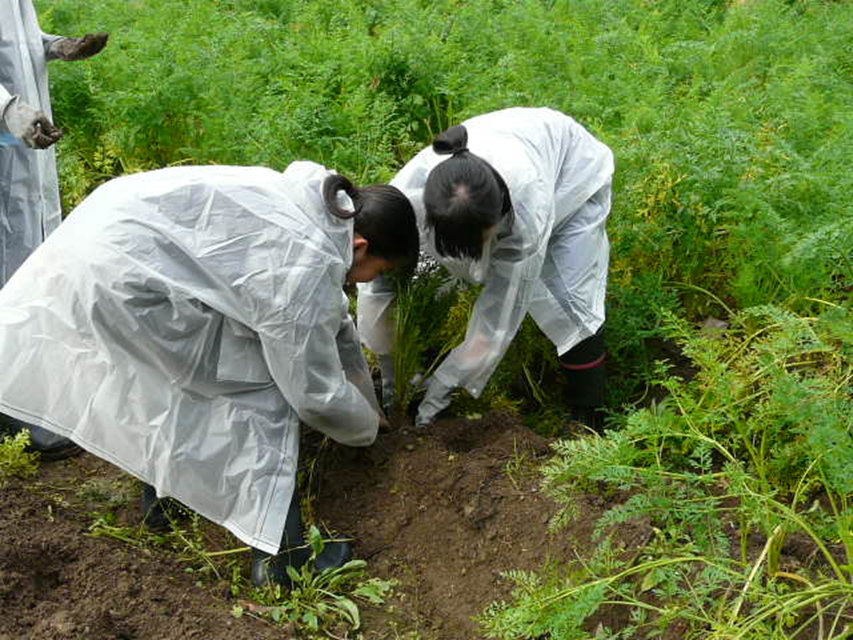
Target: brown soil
{"x": 443, "y": 512}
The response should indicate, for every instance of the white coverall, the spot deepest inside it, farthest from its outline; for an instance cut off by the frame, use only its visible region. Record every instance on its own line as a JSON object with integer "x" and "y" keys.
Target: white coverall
{"x": 29, "y": 190}
{"x": 181, "y": 323}
{"x": 552, "y": 263}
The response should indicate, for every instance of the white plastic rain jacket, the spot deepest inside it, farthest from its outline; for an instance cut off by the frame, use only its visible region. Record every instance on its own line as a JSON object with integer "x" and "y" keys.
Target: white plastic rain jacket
{"x": 29, "y": 191}
{"x": 552, "y": 263}
{"x": 180, "y": 324}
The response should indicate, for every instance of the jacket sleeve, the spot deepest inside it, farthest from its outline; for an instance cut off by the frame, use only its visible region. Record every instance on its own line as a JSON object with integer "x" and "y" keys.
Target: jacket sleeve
{"x": 376, "y": 303}
{"x": 514, "y": 270}
{"x": 304, "y": 356}
{"x": 5, "y": 99}
{"x": 354, "y": 363}
{"x": 47, "y": 40}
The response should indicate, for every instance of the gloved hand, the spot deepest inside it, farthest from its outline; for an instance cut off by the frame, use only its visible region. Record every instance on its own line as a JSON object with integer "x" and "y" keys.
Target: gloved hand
{"x": 386, "y": 369}
{"x": 33, "y": 127}
{"x": 77, "y": 48}
{"x": 436, "y": 400}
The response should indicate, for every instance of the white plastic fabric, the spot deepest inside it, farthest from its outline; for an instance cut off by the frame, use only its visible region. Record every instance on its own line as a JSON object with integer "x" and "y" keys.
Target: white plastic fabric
{"x": 29, "y": 191}
{"x": 552, "y": 263}
{"x": 180, "y": 324}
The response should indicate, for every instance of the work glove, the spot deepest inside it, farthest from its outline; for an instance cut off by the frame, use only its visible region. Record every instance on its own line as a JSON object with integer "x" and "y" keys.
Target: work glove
{"x": 437, "y": 399}
{"x": 386, "y": 369}
{"x": 77, "y": 48}
{"x": 31, "y": 126}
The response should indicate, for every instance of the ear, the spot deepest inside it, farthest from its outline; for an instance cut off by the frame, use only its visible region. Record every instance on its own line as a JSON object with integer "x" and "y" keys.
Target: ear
{"x": 359, "y": 247}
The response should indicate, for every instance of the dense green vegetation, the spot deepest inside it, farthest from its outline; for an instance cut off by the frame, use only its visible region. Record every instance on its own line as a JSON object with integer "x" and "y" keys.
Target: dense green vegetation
{"x": 732, "y": 128}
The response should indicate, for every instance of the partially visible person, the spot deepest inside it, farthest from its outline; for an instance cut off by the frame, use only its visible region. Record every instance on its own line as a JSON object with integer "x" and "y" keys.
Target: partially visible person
{"x": 29, "y": 192}
{"x": 183, "y": 323}
{"x": 516, "y": 200}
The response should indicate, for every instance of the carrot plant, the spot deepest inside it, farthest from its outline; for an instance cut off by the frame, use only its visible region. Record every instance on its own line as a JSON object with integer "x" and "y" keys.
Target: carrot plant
{"x": 758, "y": 446}
{"x": 729, "y": 121}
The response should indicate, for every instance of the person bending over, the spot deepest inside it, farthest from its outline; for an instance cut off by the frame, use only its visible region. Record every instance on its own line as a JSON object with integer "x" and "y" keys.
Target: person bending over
{"x": 183, "y": 323}
{"x": 515, "y": 200}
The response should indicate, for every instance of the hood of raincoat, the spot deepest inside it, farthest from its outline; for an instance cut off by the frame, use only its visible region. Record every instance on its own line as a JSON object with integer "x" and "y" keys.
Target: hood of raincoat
{"x": 303, "y": 183}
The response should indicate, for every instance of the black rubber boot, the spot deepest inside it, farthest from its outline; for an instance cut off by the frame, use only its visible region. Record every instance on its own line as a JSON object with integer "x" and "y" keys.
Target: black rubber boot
{"x": 154, "y": 516}
{"x": 49, "y": 445}
{"x": 295, "y": 552}
{"x": 585, "y": 370}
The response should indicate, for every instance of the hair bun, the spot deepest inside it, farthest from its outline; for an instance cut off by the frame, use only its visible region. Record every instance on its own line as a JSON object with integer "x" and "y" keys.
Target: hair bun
{"x": 342, "y": 197}
{"x": 452, "y": 141}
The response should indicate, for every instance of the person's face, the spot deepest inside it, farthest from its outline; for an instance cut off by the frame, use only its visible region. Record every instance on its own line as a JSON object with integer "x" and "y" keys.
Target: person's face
{"x": 365, "y": 267}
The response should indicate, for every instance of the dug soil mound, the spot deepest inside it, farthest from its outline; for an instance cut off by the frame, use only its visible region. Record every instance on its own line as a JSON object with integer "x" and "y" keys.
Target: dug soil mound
{"x": 442, "y": 512}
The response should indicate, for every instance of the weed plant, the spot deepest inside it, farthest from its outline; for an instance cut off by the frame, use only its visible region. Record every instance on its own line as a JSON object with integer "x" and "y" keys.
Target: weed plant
{"x": 320, "y": 601}
{"x": 316, "y": 601}
{"x": 15, "y": 460}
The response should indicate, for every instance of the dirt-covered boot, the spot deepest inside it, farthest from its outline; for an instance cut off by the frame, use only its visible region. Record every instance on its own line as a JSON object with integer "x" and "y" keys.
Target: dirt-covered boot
{"x": 584, "y": 366}
{"x": 294, "y": 552}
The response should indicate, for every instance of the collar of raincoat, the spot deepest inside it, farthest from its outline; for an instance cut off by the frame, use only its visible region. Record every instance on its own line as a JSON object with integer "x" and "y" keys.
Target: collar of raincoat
{"x": 303, "y": 183}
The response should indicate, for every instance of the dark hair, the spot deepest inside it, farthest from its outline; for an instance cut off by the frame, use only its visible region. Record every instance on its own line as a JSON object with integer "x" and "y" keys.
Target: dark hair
{"x": 463, "y": 197}
{"x": 382, "y": 215}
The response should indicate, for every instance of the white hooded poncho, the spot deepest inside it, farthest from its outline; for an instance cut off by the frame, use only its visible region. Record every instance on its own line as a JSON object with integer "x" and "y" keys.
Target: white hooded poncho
{"x": 181, "y": 323}
{"x": 552, "y": 263}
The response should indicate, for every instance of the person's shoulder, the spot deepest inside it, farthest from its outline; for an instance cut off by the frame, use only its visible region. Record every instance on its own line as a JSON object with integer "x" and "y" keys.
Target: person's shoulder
{"x": 413, "y": 175}
{"x": 188, "y": 174}
{"x": 305, "y": 170}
